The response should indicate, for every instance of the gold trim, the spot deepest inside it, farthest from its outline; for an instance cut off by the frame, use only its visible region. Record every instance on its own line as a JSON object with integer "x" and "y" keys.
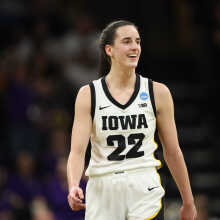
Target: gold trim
{"x": 160, "y": 200}
{"x": 158, "y": 167}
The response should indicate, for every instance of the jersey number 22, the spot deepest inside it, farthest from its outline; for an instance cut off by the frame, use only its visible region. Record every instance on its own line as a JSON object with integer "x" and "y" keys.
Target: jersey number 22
{"x": 132, "y": 153}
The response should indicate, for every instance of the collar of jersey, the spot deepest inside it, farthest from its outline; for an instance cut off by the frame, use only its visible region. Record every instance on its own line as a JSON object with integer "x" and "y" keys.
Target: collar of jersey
{"x": 115, "y": 102}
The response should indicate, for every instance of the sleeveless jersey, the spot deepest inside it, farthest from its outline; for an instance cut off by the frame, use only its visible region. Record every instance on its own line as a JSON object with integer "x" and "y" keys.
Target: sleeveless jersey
{"x": 122, "y": 136}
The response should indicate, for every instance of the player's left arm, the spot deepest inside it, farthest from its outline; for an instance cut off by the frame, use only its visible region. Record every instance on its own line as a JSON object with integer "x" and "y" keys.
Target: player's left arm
{"x": 171, "y": 150}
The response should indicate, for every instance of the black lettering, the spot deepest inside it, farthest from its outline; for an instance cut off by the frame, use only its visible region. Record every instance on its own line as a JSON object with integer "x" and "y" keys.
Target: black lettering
{"x": 113, "y": 122}
{"x": 142, "y": 121}
{"x": 104, "y": 124}
{"x": 133, "y": 139}
{"x": 128, "y": 121}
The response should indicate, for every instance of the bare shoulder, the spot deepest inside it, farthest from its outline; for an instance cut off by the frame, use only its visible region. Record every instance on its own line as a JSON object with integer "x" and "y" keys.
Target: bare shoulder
{"x": 160, "y": 89}
{"x": 162, "y": 94}
{"x": 83, "y": 98}
{"x": 84, "y": 91}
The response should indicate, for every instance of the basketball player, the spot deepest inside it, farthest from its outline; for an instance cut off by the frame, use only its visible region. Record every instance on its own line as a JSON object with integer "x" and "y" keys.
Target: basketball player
{"x": 120, "y": 113}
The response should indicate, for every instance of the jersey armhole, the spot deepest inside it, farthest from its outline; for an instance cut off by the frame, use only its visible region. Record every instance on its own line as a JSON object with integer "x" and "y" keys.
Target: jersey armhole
{"x": 93, "y": 99}
{"x": 150, "y": 86}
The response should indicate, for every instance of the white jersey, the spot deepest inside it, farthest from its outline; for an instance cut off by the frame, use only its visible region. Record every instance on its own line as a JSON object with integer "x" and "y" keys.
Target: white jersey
{"x": 122, "y": 135}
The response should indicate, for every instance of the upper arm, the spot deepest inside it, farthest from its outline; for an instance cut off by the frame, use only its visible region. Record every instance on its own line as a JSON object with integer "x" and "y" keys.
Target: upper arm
{"x": 165, "y": 117}
{"x": 82, "y": 124}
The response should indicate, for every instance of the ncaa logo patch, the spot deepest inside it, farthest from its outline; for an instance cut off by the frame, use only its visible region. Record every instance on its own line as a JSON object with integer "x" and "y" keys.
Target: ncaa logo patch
{"x": 144, "y": 96}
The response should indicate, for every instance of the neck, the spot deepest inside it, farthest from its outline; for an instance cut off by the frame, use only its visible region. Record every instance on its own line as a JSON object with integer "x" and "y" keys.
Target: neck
{"x": 121, "y": 78}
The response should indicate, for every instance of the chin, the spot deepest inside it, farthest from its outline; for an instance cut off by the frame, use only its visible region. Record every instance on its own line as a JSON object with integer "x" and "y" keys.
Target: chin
{"x": 130, "y": 65}
{"x": 134, "y": 65}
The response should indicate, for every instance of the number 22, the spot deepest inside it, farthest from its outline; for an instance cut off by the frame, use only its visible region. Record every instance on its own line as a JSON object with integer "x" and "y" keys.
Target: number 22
{"x": 132, "y": 153}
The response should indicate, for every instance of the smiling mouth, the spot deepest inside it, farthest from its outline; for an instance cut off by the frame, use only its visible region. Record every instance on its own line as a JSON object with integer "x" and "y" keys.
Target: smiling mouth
{"x": 133, "y": 58}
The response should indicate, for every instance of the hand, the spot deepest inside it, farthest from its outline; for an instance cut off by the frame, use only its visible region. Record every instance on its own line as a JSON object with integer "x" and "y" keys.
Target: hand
{"x": 75, "y": 198}
{"x": 188, "y": 212}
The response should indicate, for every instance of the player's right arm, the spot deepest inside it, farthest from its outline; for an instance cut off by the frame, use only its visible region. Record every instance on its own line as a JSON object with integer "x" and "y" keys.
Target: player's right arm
{"x": 81, "y": 131}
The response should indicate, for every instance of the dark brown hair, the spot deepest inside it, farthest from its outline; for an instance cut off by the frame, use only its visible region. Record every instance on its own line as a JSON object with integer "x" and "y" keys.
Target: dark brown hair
{"x": 107, "y": 37}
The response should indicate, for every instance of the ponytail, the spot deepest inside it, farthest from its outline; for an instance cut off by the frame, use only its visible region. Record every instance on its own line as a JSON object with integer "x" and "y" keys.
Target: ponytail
{"x": 104, "y": 64}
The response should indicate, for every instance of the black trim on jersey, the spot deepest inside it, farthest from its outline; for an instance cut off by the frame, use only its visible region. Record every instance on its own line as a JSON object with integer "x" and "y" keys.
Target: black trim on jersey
{"x": 93, "y": 99}
{"x": 150, "y": 85}
{"x": 132, "y": 98}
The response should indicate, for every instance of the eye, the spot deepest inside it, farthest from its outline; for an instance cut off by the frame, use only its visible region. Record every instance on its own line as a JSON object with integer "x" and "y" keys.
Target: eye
{"x": 138, "y": 41}
{"x": 127, "y": 41}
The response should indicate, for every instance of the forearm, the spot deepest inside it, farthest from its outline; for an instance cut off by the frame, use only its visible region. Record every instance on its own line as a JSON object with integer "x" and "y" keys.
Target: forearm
{"x": 75, "y": 167}
{"x": 178, "y": 169}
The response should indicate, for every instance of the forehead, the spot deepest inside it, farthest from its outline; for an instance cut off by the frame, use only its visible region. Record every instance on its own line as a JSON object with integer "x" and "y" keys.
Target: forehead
{"x": 127, "y": 31}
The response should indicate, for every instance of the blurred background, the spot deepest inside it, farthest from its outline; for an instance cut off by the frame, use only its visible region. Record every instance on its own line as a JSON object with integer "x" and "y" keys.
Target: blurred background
{"x": 48, "y": 50}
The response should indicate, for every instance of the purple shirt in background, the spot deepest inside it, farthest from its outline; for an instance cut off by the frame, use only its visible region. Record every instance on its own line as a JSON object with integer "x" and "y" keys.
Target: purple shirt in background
{"x": 19, "y": 99}
{"x": 26, "y": 188}
{"x": 56, "y": 194}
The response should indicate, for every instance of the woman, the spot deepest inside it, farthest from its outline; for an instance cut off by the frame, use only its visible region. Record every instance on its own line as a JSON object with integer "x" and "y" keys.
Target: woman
{"x": 120, "y": 113}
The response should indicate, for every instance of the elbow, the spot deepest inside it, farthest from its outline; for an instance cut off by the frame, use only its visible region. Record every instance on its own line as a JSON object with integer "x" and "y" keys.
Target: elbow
{"x": 77, "y": 151}
{"x": 173, "y": 154}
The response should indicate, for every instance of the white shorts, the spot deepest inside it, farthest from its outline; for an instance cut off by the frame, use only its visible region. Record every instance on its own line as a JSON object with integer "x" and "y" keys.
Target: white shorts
{"x": 126, "y": 195}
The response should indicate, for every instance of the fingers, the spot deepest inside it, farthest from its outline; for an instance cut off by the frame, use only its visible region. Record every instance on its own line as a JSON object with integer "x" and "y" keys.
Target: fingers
{"x": 75, "y": 198}
{"x": 188, "y": 217}
{"x": 77, "y": 206}
{"x": 80, "y": 193}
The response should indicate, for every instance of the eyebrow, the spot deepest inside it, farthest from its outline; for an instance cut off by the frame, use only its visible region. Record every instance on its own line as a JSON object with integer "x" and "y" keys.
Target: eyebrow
{"x": 128, "y": 38}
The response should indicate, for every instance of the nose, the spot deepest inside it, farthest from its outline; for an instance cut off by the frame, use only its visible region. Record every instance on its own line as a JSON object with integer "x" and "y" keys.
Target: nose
{"x": 135, "y": 46}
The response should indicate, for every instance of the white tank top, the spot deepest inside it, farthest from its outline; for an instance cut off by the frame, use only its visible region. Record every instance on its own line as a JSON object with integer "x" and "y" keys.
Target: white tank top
{"x": 122, "y": 135}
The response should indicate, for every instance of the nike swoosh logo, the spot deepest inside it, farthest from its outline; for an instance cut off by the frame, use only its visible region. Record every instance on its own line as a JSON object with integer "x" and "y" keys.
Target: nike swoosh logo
{"x": 100, "y": 108}
{"x": 151, "y": 188}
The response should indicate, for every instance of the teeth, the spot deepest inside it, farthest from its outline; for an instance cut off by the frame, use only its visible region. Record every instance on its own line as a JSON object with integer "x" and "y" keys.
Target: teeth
{"x": 133, "y": 55}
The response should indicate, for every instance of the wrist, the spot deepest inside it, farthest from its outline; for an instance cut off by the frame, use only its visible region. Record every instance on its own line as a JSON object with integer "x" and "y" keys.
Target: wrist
{"x": 188, "y": 199}
{"x": 188, "y": 202}
{"x": 73, "y": 185}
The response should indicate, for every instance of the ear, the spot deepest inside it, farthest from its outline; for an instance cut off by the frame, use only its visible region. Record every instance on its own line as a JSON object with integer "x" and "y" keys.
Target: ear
{"x": 108, "y": 50}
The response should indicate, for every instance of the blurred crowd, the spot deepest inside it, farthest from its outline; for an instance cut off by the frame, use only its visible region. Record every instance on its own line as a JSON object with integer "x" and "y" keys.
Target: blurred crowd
{"x": 48, "y": 50}
{"x": 43, "y": 62}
